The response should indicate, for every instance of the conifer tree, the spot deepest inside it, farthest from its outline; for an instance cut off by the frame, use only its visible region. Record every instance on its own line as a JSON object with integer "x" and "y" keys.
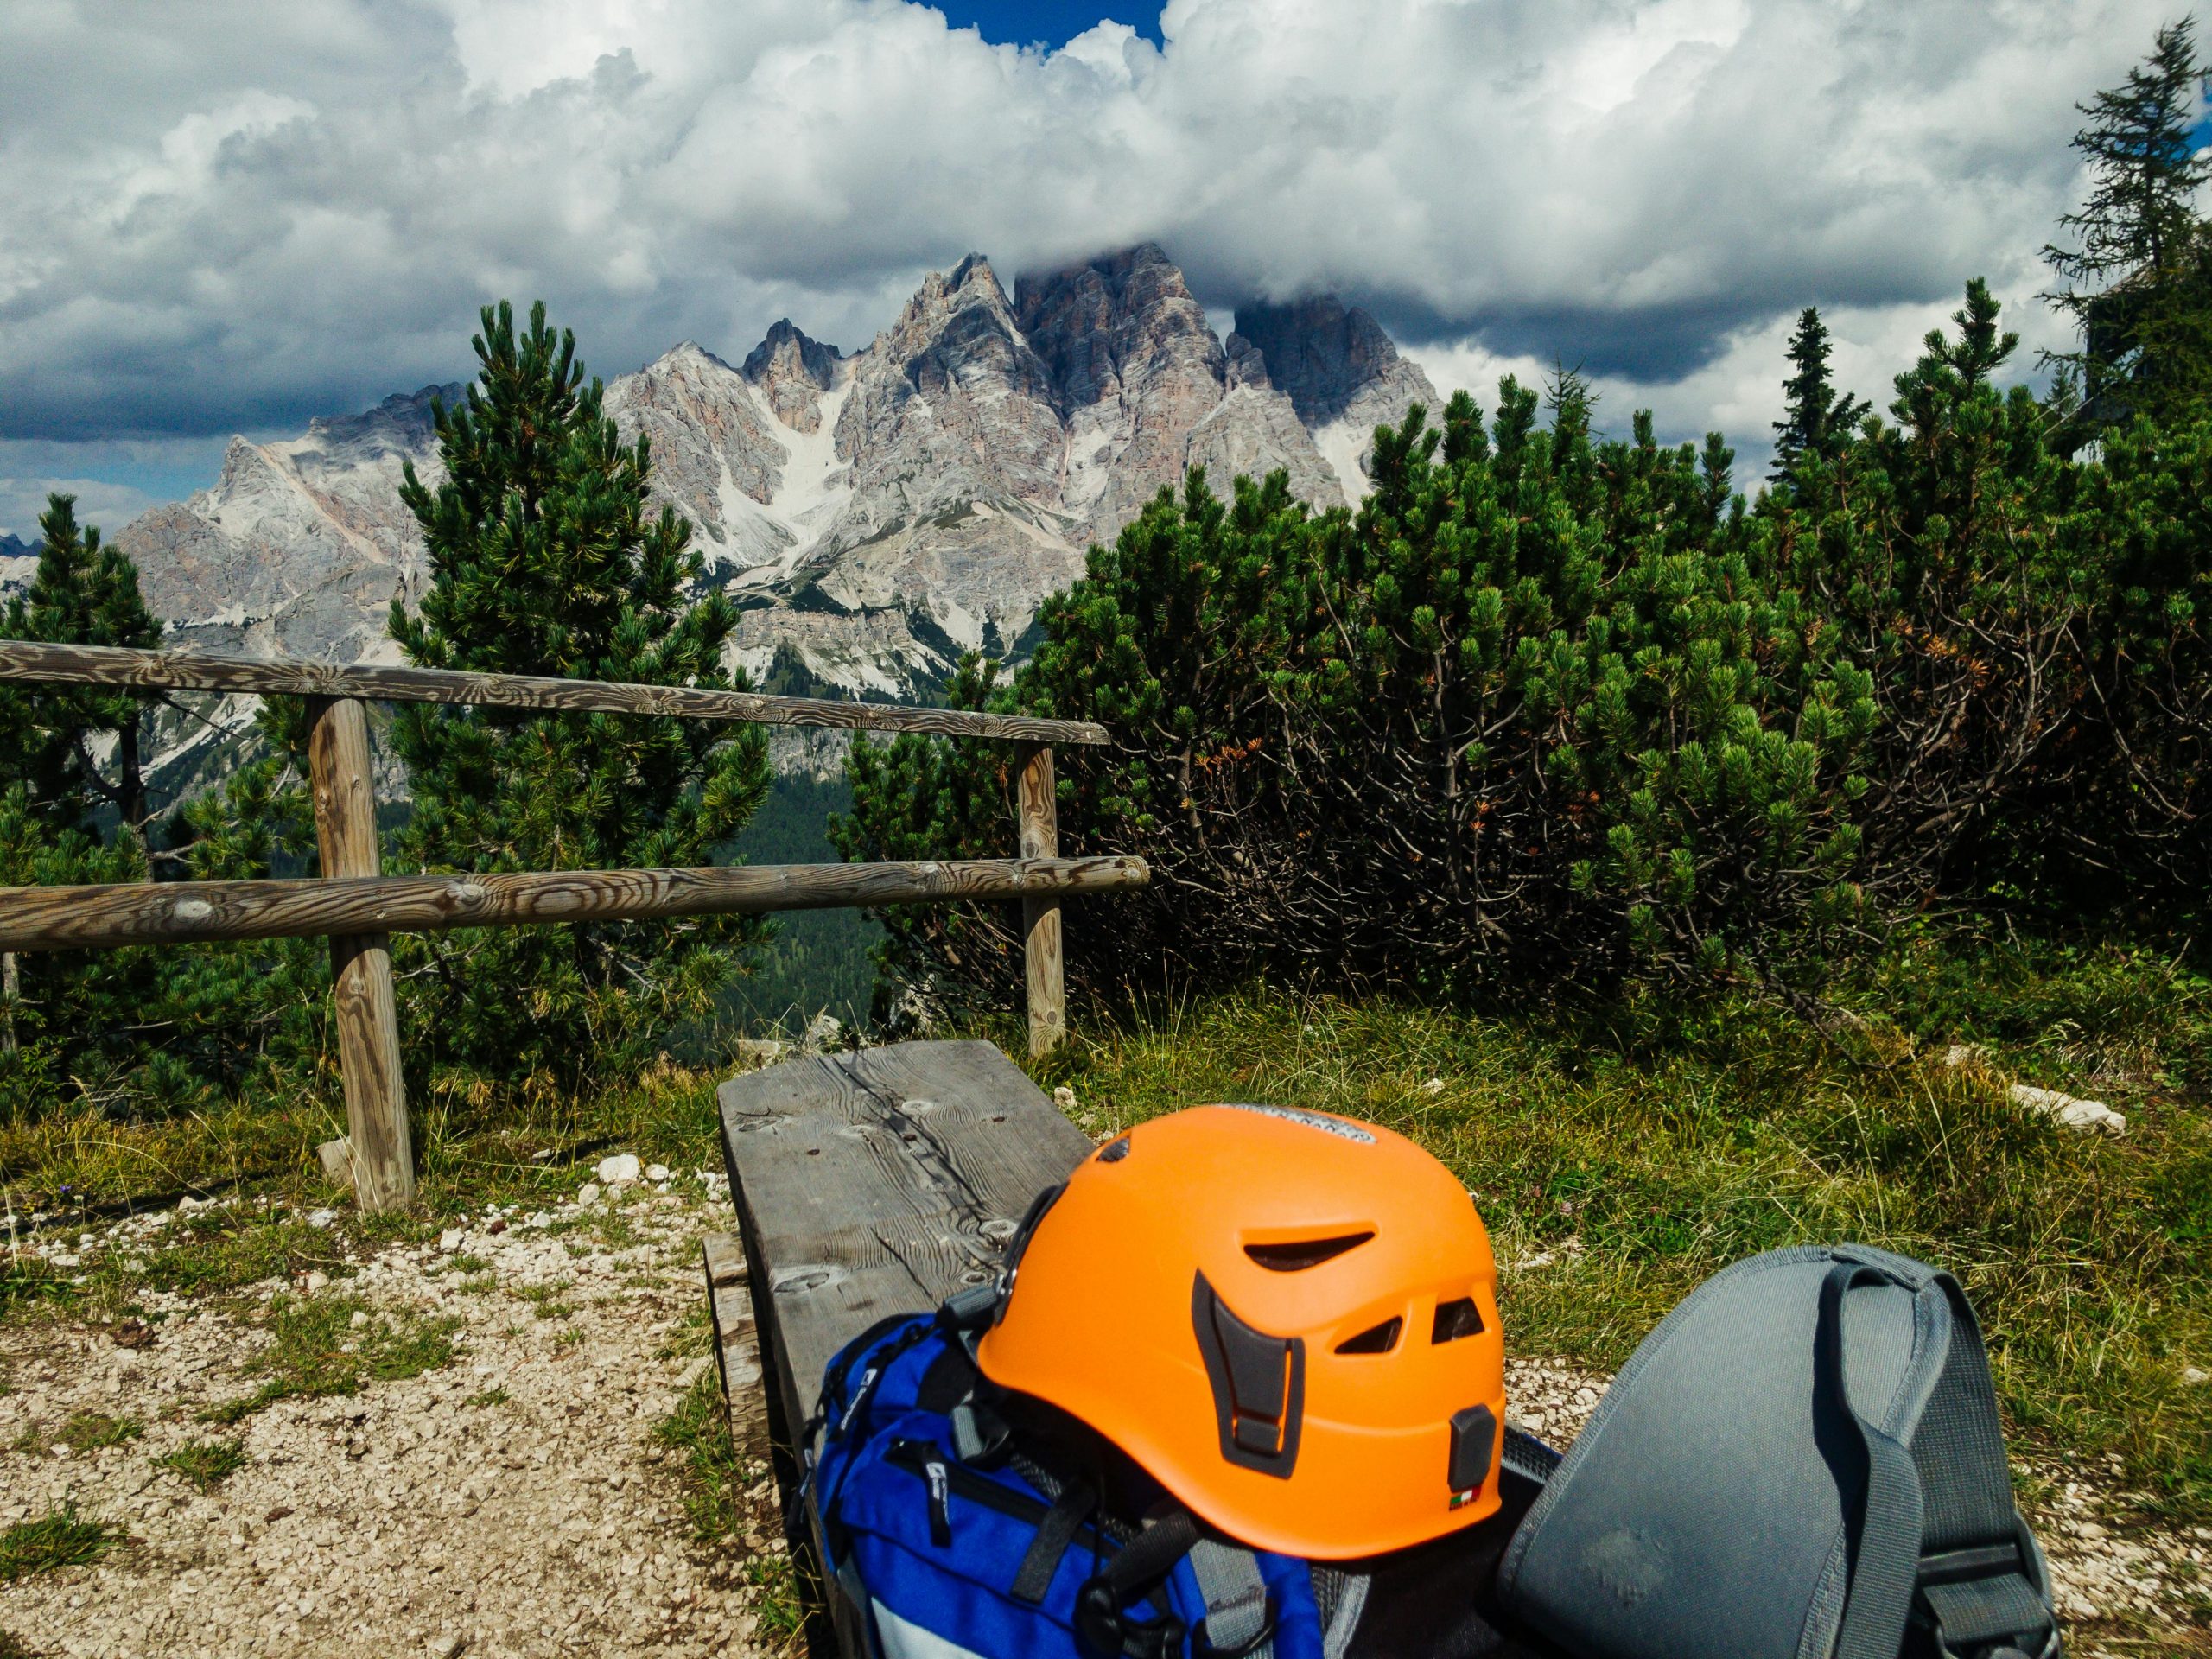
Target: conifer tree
{"x": 2139, "y": 268}
{"x": 545, "y": 561}
{"x": 1817, "y": 418}
{"x": 83, "y": 594}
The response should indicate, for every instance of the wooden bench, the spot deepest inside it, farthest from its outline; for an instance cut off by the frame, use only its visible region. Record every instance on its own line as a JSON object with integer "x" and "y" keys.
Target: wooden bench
{"x": 875, "y": 1182}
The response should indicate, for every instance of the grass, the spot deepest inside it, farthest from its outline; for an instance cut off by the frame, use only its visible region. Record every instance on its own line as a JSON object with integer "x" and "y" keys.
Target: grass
{"x": 490, "y": 1397}
{"x": 697, "y": 1431}
{"x": 60, "y": 1539}
{"x": 1666, "y": 1138}
{"x": 206, "y": 1463}
{"x": 89, "y": 1431}
{"x": 545, "y": 1300}
{"x": 1665, "y": 1143}
{"x": 316, "y": 1349}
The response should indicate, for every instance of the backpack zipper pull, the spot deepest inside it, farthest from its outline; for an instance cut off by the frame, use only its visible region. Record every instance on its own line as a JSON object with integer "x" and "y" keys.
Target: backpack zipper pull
{"x": 860, "y": 1399}
{"x": 940, "y": 1503}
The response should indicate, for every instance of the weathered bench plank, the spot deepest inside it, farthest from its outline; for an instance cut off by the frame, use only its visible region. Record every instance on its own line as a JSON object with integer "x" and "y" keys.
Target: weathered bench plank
{"x": 737, "y": 1344}
{"x": 881, "y": 1181}
{"x": 872, "y": 1183}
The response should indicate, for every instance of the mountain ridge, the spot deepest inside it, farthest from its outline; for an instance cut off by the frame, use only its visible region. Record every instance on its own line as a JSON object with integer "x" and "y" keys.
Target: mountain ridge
{"x": 872, "y": 513}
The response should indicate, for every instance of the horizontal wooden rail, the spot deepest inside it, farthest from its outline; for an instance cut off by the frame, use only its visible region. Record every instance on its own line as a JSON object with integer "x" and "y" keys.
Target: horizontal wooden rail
{"x": 177, "y": 912}
{"x": 188, "y": 670}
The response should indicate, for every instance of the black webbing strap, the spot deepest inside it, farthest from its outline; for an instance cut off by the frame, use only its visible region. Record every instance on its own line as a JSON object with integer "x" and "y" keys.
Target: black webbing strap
{"x": 1887, "y": 1561}
{"x": 1104, "y": 1615}
{"x": 1040, "y": 1562}
{"x": 1979, "y": 1579}
{"x": 1152, "y": 1554}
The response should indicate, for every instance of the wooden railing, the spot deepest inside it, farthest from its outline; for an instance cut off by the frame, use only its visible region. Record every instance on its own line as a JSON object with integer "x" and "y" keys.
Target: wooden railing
{"x": 359, "y": 907}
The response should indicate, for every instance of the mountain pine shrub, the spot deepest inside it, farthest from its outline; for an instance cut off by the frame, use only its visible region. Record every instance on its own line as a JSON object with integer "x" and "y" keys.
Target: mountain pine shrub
{"x": 1549, "y": 708}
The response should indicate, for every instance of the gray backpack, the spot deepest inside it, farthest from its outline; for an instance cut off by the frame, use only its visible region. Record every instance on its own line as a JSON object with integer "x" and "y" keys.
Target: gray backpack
{"x": 1802, "y": 1461}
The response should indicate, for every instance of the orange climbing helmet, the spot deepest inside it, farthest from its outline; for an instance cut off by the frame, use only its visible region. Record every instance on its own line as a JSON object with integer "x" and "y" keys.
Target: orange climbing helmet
{"x": 1289, "y": 1318}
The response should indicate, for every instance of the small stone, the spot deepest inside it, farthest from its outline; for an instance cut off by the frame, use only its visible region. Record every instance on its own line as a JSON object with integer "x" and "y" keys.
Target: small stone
{"x": 499, "y": 1225}
{"x": 2195, "y": 1374}
{"x": 448, "y": 1647}
{"x": 656, "y": 1172}
{"x": 588, "y": 1194}
{"x": 2073, "y": 1114}
{"x": 319, "y": 1219}
{"x": 1064, "y": 1098}
{"x": 314, "y": 1280}
{"x": 359, "y": 1320}
{"x": 451, "y": 1240}
{"x": 761, "y": 1051}
{"x": 1433, "y": 1086}
{"x": 620, "y": 1170}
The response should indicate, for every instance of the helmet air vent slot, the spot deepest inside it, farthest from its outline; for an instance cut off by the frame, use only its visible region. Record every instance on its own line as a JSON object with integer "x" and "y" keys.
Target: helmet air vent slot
{"x": 1375, "y": 1339}
{"x": 1456, "y": 1319}
{"x": 1295, "y": 1255}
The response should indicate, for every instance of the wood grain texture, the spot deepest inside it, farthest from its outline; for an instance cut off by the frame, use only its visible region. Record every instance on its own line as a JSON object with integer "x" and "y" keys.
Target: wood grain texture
{"x": 1043, "y": 963}
{"x": 737, "y": 1344}
{"x": 169, "y": 913}
{"x": 866, "y": 1184}
{"x": 24, "y": 659}
{"x": 879, "y": 1181}
{"x": 364, "y": 1011}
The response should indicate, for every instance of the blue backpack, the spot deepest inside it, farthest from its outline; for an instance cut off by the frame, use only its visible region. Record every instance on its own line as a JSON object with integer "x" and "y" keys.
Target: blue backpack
{"x": 952, "y": 1541}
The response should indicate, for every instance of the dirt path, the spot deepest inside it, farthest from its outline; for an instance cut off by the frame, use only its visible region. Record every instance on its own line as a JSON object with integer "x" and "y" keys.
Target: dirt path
{"x": 513, "y": 1501}
{"x": 506, "y": 1487}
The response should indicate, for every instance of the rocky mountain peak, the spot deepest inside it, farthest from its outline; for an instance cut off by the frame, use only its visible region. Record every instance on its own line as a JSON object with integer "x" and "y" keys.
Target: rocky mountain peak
{"x": 876, "y": 514}
{"x": 1321, "y": 352}
{"x": 1119, "y": 317}
{"x": 792, "y": 371}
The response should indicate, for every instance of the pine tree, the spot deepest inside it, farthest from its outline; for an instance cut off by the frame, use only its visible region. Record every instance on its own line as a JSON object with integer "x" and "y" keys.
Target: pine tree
{"x": 2140, "y": 270}
{"x": 83, "y": 594}
{"x": 545, "y": 561}
{"x": 1817, "y": 419}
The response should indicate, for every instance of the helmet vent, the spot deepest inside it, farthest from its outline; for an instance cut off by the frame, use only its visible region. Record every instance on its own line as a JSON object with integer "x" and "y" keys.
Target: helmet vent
{"x": 1456, "y": 1319}
{"x": 1375, "y": 1339}
{"x": 1298, "y": 1254}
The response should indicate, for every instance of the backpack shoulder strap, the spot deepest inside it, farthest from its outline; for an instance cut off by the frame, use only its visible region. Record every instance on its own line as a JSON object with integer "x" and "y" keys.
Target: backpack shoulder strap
{"x": 1983, "y": 1588}
{"x": 1941, "y": 1541}
{"x": 1887, "y": 1559}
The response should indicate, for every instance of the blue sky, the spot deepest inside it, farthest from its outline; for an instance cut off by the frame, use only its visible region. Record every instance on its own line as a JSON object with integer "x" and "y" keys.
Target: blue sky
{"x": 1054, "y": 22}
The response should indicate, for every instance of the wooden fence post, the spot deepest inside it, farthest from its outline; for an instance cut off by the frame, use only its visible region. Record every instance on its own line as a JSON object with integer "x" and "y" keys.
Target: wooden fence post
{"x": 382, "y": 1152}
{"x": 1040, "y": 913}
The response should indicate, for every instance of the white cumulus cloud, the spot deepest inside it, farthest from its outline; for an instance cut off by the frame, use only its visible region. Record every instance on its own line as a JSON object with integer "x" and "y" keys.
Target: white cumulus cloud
{"x": 234, "y": 215}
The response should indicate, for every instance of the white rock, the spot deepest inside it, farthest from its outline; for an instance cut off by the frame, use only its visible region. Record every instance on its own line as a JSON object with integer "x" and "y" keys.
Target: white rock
{"x": 620, "y": 1170}
{"x": 1433, "y": 1086}
{"x": 2195, "y": 1374}
{"x": 1962, "y": 1053}
{"x": 314, "y": 1281}
{"x": 588, "y": 1194}
{"x": 359, "y": 1320}
{"x": 824, "y": 1030}
{"x": 1064, "y": 1098}
{"x": 452, "y": 1239}
{"x": 656, "y": 1172}
{"x": 321, "y": 1218}
{"x": 2073, "y": 1114}
{"x": 761, "y": 1051}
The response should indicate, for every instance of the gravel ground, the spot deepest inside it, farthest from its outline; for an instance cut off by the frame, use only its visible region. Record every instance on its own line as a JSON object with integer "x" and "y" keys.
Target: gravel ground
{"x": 515, "y": 1500}
{"x": 513, "y": 1503}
